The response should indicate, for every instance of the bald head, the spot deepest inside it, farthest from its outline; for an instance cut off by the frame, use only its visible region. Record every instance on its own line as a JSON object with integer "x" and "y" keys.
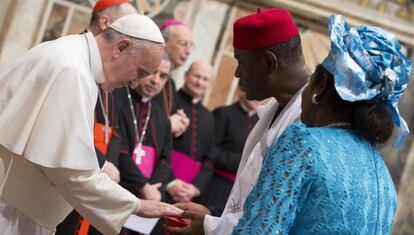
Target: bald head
{"x": 198, "y": 79}
{"x": 178, "y": 43}
{"x": 103, "y": 19}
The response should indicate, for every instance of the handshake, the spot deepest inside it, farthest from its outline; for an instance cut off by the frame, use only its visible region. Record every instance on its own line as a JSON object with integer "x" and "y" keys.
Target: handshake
{"x": 190, "y": 222}
{"x": 181, "y": 218}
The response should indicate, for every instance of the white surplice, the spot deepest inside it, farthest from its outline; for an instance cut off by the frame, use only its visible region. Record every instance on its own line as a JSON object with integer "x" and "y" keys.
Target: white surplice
{"x": 257, "y": 144}
{"x": 47, "y": 156}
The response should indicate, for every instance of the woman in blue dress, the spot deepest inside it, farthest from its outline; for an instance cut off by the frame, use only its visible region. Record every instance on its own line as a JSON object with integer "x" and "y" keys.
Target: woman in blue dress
{"x": 325, "y": 175}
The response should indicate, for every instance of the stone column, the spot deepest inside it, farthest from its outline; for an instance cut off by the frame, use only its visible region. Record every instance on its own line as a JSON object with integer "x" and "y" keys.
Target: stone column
{"x": 206, "y": 27}
{"x": 23, "y": 19}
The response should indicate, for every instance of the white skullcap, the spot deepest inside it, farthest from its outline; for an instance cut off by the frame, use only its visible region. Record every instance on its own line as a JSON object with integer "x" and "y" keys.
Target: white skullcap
{"x": 138, "y": 26}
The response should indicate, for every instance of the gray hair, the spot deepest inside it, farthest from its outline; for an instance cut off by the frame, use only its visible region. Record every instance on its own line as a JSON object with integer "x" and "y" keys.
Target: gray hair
{"x": 166, "y": 33}
{"x": 111, "y": 35}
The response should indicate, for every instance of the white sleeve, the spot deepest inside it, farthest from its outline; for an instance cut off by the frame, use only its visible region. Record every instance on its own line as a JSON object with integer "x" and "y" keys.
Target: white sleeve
{"x": 104, "y": 203}
{"x": 221, "y": 225}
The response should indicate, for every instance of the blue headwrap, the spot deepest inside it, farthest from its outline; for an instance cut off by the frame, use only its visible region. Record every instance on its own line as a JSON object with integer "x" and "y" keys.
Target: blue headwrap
{"x": 367, "y": 63}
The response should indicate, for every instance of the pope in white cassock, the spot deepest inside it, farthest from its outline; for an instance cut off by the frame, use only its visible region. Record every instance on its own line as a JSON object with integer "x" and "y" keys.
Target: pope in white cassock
{"x": 47, "y": 158}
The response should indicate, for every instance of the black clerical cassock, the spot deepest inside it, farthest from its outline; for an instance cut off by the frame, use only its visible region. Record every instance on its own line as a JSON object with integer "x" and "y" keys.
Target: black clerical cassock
{"x": 152, "y": 164}
{"x": 192, "y": 157}
{"x": 167, "y": 98}
{"x": 232, "y": 126}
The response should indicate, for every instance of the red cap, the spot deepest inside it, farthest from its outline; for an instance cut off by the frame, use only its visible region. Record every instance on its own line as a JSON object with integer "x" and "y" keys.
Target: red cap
{"x": 263, "y": 29}
{"x": 103, "y": 4}
{"x": 170, "y": 22}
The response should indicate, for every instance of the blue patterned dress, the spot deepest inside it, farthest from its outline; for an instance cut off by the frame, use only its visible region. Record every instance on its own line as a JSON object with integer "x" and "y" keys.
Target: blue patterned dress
{"x": 320, "y": 181}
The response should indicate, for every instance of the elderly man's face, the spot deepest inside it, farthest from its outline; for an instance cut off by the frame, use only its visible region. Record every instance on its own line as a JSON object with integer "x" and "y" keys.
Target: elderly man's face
{"x": 128, "y": 66}
{"x": 198, "y": 79}
{"x": 179, "y": 44}
{"x": 152, "y": 85}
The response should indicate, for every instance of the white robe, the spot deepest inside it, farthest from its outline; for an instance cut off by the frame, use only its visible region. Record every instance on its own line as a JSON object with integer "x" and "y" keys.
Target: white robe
{"x": 257, "y": 144}
{"x": 47, "y": 156}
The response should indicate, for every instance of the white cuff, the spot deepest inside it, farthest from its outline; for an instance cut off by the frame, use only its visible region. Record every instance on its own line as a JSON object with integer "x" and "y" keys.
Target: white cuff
{"x": 137, "y": 206}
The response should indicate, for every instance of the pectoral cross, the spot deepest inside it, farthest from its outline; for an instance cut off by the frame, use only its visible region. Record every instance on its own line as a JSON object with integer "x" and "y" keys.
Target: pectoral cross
{"x": 139, "y": 154}
{"x": 106, "y": 131}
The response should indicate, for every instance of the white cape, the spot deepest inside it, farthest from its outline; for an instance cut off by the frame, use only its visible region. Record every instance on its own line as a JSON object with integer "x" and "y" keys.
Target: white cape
{"x": 46, "y": 100}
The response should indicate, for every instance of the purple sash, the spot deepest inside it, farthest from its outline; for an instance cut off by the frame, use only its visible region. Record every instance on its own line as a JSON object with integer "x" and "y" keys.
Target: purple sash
{"x": 148, "y": 161}
{"x": 185, "y": 167}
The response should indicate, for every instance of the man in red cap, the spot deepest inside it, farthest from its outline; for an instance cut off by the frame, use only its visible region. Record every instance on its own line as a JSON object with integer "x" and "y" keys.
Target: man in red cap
{"x": 107, "y": 11}
{"x": 270, "y": 65}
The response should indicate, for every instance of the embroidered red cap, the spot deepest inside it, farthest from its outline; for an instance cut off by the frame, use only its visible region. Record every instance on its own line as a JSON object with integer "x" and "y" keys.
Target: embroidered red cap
{"x": 263, "y": 29}
{"x": 103, "y": 4}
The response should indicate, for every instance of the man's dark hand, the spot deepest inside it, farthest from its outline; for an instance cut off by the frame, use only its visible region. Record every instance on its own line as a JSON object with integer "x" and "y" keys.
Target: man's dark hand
{"x": 194, "y": 225}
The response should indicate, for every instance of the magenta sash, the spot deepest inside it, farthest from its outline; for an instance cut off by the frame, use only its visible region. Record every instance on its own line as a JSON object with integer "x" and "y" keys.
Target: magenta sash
{"x": 148, "y": 161}
{"x": 185, "y": 167}
{"x": 226, "y": 175}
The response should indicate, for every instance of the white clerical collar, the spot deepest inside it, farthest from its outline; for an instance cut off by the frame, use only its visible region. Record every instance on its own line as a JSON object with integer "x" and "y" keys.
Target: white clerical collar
{"x": 249, "y": 112}
{"x": 145, "y": 99}
{"x": 196, "y": 100}
{"x": 193, "y": 100}
{"x": 96, "y": 62}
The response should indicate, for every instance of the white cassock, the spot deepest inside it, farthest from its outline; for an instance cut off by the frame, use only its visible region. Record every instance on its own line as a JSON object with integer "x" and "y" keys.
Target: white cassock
{"x": 257, "y": 144}
{"x": 47, "y": 156}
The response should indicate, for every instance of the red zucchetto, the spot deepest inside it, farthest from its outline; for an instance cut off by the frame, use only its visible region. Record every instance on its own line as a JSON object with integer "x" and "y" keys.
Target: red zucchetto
{"x": 263, "y": 29}
{"x": 103, "y": 4}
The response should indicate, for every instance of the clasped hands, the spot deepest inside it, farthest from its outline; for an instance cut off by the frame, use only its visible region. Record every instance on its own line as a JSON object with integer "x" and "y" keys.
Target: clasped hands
{"x": 181, "y": 191}
{"x": 179, "y": 122}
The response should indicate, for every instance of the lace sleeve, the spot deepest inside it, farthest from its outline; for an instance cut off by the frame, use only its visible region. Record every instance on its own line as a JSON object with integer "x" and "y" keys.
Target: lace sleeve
{"x": 283, "y": 184}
